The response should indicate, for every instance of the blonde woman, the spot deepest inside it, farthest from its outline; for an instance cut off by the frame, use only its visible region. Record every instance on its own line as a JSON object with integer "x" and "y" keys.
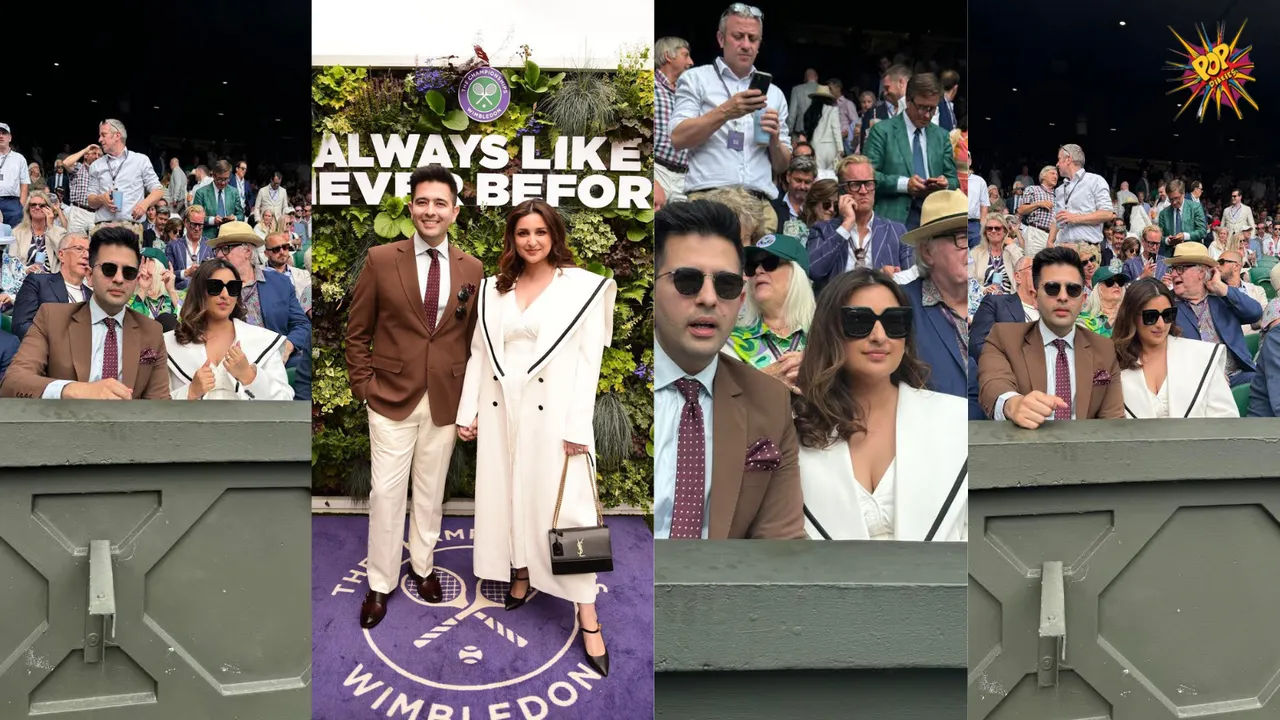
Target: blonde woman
{"x": 36, "y": 239}
{"x": 772, "y": 333}
{"x": 992, "y": 261}
{"x": 156, "y": 293}
{"x": 266, "y": 225}
{"x": 750, "y": 212}
{"x": 1103, "y": 304}
{"x": 1092, "y": 258}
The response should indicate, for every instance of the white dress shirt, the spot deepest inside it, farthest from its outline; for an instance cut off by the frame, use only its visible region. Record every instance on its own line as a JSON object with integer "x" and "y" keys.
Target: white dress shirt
{"x": 14, "y": 173}
{"x": 858, "y": 240}
{"x": 713, "y": 164}
{"x": 1081, "y": 194}
{"x": 668, "y": 404}
{"x": 73, "y": 293}
{"x": 1051, "y": 362}
{"x": 53, "y": 391}
{"x": 978, "y": 196}
{"x": 133, "y": 176}
{"x": 424, "y": 266}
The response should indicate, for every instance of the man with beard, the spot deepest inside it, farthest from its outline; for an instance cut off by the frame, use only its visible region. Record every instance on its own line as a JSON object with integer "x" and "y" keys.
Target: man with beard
{"x": 790, "y": 205}
{"x": 895, "y": 88}
{"x": 279, "y": 252}
{"x": 410, "y": 382}
{"x": 711, "y": 406}
{"x": 1212, "y": 311}
{"x": 1231, "y": 265}
{"x": 1050, "y": 369}
{"x": 273, "y": 198}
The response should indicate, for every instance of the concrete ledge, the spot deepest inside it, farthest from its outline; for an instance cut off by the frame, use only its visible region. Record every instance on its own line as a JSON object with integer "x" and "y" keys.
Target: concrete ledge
{"x": 152, "y": 431}
{"x": 1099, "y": 452}
{"x": 809, "y": 605}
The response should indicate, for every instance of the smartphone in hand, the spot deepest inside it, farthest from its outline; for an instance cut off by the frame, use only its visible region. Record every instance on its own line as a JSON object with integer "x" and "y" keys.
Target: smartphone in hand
{"x": 761, "y": 81}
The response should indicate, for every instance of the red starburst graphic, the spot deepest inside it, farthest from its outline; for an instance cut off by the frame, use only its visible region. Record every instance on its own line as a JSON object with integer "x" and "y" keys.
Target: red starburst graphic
{"x": 1213, "y": 71}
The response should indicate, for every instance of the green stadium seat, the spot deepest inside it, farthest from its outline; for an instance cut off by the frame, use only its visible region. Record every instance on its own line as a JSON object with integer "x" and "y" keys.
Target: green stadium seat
{"x": 1251, "y": 342}
{"x": 6, "y": 323}
{"x": 1241, "y": 394}
{"x": 293, "y": 376}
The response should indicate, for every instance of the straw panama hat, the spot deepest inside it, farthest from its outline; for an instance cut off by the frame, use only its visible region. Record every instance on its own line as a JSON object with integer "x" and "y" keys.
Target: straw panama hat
{"x": 824, "y": 92}
{"x": 1191, "y": 253}
{"x": 235, "y": 232}
{"x": 943, "y": 212}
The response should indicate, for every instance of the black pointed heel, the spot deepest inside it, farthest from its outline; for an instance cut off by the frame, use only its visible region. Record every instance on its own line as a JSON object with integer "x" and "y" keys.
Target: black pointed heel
{"x": 598, "y": 663}
{"x": 511, "y": 601}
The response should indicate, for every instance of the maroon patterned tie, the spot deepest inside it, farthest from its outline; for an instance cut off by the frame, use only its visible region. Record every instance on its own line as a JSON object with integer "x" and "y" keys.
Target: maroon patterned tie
{"x": 431, "y": 301}
{"x": 111, "y": 352}
{"x": 1062, "y": 381}
{"x": 691, "y": 466}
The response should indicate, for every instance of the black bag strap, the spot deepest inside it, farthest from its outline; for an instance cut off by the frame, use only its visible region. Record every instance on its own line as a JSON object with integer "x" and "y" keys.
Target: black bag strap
{"x": 951, "y": 496}
{"x": 817, "y": 525}
{"x": 1212, "y": 356}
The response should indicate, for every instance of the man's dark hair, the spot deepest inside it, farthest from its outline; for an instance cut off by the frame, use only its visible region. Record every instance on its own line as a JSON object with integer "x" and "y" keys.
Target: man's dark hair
{"x": 950, "y": 78}
{"x": 1055, "y": 256}
{"x": 898, "y": 71}
{"x": 700, "y": 217}
{"x": 222, "y": 166}
{"x": 113, "y": 235}
{"x": 203, "y": 168}
{"x": 432, "y": 173}
{"x": 1196, "y": 185}
{"x": 923, "y": 85}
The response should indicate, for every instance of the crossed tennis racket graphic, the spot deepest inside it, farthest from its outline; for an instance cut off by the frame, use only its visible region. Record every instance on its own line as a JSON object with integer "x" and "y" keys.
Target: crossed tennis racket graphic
{"x": 487, "y": 93}
{"x": 489, "y": 594}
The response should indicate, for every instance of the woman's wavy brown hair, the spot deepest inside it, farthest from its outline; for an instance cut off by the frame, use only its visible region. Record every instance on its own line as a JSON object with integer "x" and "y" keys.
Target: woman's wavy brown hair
{"x": 510, "y": 264}
{"x": 826, "y": 403}
{"x": 823, "y": 191}
{"x": 191, "y": 321}
{"x": 1125, "y": 332}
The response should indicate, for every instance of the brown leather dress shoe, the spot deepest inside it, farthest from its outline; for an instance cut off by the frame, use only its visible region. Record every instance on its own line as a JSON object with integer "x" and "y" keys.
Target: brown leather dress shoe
{"x": 429, "y": 587}
{"x": 373, "y": 609}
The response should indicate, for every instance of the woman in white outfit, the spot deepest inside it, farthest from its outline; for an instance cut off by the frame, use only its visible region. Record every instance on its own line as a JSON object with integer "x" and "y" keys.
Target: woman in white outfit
{"x": 1162, "y": 374}
{"x": 823, "y": 122}
{"x": 529, "y": 401}
{"x": 881, "y": 457}
{"x": 213, "y": 353}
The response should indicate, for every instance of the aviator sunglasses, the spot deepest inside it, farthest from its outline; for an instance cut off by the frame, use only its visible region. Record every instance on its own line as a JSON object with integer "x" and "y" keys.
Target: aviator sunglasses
{"x": 1149, "y": 317}
{"x": 858, "y": 322}
{"x": 1053, "y": 288}
{"x": 214, "y": 287}
{"x": 689, "y": 282}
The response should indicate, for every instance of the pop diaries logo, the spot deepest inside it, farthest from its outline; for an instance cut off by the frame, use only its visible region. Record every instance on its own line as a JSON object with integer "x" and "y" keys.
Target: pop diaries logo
{"x": 1213, "y": 72}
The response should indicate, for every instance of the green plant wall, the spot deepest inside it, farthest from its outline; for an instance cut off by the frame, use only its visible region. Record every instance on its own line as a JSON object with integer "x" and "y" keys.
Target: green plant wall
{"x": 609, "y": 242}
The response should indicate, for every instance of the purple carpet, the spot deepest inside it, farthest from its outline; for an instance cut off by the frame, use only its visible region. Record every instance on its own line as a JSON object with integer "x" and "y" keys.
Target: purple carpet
{"x": 467, "y": 658}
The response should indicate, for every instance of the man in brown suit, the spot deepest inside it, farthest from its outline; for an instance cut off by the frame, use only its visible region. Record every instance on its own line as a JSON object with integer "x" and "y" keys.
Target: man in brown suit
{"x": 97, "y": 349}
{"x": 1030, "y": 373}
{"x": 725, "y": 460}
{"x": 414, "y": 302}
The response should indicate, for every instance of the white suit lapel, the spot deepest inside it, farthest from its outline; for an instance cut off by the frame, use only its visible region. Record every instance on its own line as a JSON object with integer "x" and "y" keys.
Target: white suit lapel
{"x": 827, "y": 479}
{"x": 491, "y": 324}
{"x": 1136, "y": 401}
{"x": 575, "y": 293}
{"x": 929, "y": 457}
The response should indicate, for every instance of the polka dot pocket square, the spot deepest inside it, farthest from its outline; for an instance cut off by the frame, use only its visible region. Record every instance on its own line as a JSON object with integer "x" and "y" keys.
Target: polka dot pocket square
{"x": 763, "y": 456}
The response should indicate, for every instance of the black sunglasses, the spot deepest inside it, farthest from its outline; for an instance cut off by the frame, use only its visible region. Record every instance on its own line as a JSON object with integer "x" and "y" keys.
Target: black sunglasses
{"x": 858, "y": 322}
{"x": 689, "y": 282}
{"x": 1052, "y": 289}
{"x": 215, "y": 287}
{"x": 768, "y": 263}
{"x": 110, "y": 269}
{"x": 277, "y": 248}
{"x": 1113, "y": 282}
{"x": 1149, "y": 317}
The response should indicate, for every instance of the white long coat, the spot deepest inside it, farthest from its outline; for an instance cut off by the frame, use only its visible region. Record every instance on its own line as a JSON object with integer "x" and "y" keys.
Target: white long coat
{"x": 558, "y": 395}
{"x": 1187, "y": 361}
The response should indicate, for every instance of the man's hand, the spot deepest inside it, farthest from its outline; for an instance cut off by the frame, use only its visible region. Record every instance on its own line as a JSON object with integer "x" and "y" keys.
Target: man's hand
{"x": 937, "y": 183}
{"x": 847, "y": 206}
{"x": 467, "y": 434}
{"x": 1215, "y": 284}
{"x": 191, "y": 270}
{"x": 659, "y": 197}
{"x": 769, "y": 123}
{"x": 744, "y": 103}
{"x": 1148, "y": 269}
{"x": 202, "y": 383}
{"x": 139, "y": 210}
{"x": 108, "y": 203}
{"x": 1045, "y": 204}
{"x": 1065, "y": 217}
{"x": 288, "y": 349}
{"x": 915, "y": 186}
{"x": 105, "y": 389}
{"x": 1168, "y": 278}
{"x": 891, "y": 269}
{"x": 1030, "y": 411}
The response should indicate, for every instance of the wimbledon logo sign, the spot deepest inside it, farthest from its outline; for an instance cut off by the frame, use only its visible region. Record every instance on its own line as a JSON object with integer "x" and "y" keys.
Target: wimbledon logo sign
{"x": 484, "y": 94}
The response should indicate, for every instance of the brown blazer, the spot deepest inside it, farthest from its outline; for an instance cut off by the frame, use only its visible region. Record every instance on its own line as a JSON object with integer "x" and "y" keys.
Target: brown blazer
{"x": 1014, "y": 360}
{"x": 758, "y": 504}
{"x": 59, "y": 346}
{"x": 406, "y": 360}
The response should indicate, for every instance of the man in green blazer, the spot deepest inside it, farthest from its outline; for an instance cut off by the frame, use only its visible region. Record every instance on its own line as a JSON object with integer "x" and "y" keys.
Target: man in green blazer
{"x": 220, "y": 199}
{"x": 1181, "y": 221}
{"x": 903, "y": 179}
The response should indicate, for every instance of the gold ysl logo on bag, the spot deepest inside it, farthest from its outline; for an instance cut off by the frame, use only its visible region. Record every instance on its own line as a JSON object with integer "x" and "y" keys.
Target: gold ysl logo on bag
{"x": 580, "y": 550}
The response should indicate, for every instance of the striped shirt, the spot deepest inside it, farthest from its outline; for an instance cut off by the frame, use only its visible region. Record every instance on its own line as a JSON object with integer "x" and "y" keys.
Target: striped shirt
{"x": 664, "y": 105}
{"x": 1038, "y": 218}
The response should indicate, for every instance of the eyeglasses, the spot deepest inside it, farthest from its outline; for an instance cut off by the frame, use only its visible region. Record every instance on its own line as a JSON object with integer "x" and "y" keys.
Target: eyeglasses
{"x": 926, "y": 109}
{"x": 1053, "y": 289}
{"x": 1113, "y": 282}
{"x": 848, "y": 187}
{"x": 996, "y": 228}
{"x": 1224, "y": 261}
{"x": 277, "y": 248}
{"x": 1149, "y": 317}
{"x": 768, "y": 263}
{"x": 75, "y": 250}
{"x": 858, "y": 322}
{"x": 744, "y": 9}
{"x": 960, "y": 239}
{"x": 193, "y": 224}
{"x": 689, "y": 282}
{"x": 109, "y": 270}
{"x": 215, "y": 287}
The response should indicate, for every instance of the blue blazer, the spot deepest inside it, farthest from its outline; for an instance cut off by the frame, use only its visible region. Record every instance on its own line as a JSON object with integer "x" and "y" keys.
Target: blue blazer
{"x": 1133, "y": 268}
{"x": 949, "y": 373}
{"x": 1264, "y": 393}
{"x": 994, "y": 309}
{"x": 282, "y": 313}
{"x": 1228, "y": 315}
{"x": 829, "y": 252}
{"x": 180, "y": 257}
{"x": 9, "y": 347}
{"x": 38, "y": 289}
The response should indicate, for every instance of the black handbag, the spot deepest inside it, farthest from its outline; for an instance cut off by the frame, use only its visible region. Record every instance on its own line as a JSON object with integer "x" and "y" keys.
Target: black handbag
{"x": 579, "y": 550}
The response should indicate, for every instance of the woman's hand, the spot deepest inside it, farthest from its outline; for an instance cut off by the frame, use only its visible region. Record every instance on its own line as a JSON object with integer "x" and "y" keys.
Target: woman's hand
{"x": 202, "y": 383}
{"x": 239, "y": 366}
{"x": 167, "y": 278}
{"x": 786, "y": 369}
{"x": 574, "y": 448}
{"x": 467, "y": 434}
